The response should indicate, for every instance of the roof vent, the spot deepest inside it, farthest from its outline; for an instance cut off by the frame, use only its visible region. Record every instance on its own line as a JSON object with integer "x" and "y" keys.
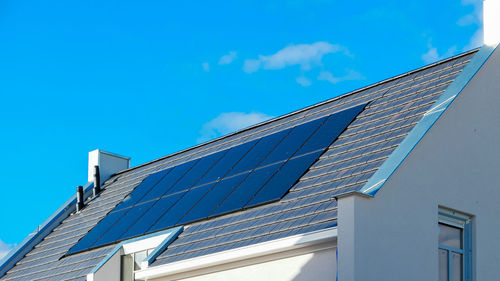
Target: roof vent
{"x": 97, "y": 181}
{"x": 491, "y": 22}
{"x": 79, "y": 198}
{"x": 102, "y": 165}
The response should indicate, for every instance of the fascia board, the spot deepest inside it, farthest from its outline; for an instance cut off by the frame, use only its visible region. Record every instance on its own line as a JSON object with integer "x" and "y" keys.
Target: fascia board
{"x": 428, "y": 120}
{"x": 138, "y": 244}
{"x": 239, "y": 254}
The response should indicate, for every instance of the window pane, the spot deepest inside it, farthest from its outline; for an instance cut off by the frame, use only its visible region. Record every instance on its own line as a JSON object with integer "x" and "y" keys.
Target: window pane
{"x": 443, "y": 265}
{"x": 127, "y": 268}
{"x": 457, "y": 268}
{"x": 450, "y": 236}
{"x": 138, "y": 258}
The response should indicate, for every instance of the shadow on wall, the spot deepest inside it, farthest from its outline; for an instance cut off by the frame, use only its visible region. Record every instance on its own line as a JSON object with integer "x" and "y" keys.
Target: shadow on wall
{"x": 321, "y": 267}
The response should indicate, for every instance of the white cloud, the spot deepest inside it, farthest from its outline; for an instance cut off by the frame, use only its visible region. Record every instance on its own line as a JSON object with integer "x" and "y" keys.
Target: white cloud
{"x": 475, "y": 41}
{"x": 473, "y": 18}
{"x": 229, "y": 58}
{"x": 432, "y": 55}
{"x": 229, "y": 122}
{"x": 5, "y": 249}
{"x": 303, "y": 81}
{"x": 327, "y": 76}
{"x": 206, "y": 66}
{"x": 304, "y": 55}
{"x": 351, "y": 75}
{"x": 466, "y": 20}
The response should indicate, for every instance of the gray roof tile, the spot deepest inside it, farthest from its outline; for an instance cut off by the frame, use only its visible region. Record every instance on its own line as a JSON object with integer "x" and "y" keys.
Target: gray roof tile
{"x": 395, "y": 106}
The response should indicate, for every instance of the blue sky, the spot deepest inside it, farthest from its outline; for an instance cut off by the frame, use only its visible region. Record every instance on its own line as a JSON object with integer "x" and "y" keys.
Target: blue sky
{"x": 148, "y": 78}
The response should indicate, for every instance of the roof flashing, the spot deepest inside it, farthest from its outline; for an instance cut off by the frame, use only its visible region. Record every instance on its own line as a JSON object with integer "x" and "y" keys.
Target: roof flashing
{"x": 109, "y": 268}
{"x": 397, "y": 157}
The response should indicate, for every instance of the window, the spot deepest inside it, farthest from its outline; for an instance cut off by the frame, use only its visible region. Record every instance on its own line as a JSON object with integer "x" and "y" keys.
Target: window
{"x": 131, "y": 262}
{"x": 454, "y": 251}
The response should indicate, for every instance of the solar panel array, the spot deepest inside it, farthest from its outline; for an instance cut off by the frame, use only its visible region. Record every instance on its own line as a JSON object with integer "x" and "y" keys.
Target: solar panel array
{"x": 247, "y": 175}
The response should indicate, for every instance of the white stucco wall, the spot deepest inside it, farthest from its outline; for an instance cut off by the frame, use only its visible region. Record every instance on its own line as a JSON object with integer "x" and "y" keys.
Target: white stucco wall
{"x": 303, "y": 265}
{"x": 393, "y": 236}
{"x": 110, "y": 271}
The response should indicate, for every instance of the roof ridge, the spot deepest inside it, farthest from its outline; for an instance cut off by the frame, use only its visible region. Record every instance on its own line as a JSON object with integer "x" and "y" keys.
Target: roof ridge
{"x": 341, "y": 96}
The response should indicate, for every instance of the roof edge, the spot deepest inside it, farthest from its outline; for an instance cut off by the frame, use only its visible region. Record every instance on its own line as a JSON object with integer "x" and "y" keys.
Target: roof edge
{"x": 242, "y": 253}
{"x": 300, "y": 110}
{"x": 397, "y": 157}
{"x": 41, "y": 231}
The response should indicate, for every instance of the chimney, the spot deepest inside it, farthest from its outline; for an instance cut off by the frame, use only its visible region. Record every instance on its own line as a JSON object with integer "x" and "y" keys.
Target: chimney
{"x": 102, "y": 165}
{"x": 491, "y": 22}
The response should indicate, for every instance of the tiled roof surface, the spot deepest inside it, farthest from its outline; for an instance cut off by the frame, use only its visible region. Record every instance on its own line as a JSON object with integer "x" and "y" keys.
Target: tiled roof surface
{"x": 395, "y": 106}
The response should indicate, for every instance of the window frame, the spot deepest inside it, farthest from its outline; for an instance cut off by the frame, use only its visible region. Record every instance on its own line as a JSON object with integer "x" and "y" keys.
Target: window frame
{"x": 464, "y": 222}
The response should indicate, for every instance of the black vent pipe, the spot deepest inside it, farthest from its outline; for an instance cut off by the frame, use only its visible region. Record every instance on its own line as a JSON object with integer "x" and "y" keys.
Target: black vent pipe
{"x": 79, "y": 198}
{"x": 97, "y": 181}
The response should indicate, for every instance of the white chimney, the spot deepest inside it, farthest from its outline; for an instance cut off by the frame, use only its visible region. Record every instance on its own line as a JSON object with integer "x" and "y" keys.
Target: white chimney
{"x": 109, "y": 164}
{"x": 491, "y": 22}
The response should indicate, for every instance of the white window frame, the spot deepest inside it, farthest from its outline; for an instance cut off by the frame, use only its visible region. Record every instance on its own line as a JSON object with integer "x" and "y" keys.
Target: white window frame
{"x": 463, "y": 222}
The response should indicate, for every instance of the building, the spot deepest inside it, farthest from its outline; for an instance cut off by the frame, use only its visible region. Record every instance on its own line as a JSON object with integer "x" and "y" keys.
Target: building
{"x": 394, "y": 181}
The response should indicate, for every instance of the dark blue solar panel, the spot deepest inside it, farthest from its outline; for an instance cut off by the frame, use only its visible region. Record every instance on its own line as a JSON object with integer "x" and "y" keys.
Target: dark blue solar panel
{"x": 212, "y": 199}
{"x": 197, "y": 172}
{"x": 282, "y": 181}
{"x": 95, "y": 233}
{"x": 142, "y": 189}
{"x": 330, "y": 130}
{"x": 247, "y": 189}
{"x": 293, "y": 142}
{"x": 174, "y": 214}
{"x": 230, "y": 159}
{"x": 246, "y": 175}
{"x": 122, "y": 225}
{"x": 141, "y": 226}
{"x": 168, "y": 181}
{"x": 258, "y": 153}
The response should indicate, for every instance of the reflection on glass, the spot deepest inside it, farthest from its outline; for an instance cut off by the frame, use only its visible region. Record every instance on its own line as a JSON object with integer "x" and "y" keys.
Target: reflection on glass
{"x": 456, "y": 265}
{"x": 443, "y": 265}
{"x": 450, "y": 236}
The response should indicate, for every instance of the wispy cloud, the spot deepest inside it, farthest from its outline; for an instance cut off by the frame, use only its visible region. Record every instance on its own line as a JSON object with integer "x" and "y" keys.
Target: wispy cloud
{"x": 350, "y": 76}
{"x": 5, "y": 248}
{"x": 229, "y": 122}
{"x": 475, "y": 41}
{"x": 475, "y": 17}
{"x": 432, "y": 54}
{"x": 206, "y": 66}
{"x": 229, "y": 58}
{"x": 303, "y": 81}
{"x": 304, "y": 55}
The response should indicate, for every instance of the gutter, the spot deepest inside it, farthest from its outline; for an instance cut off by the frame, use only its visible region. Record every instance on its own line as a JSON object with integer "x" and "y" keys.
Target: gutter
{"x": 397, "y": 157}
{"x": 240, "y": 254}
{"x": 42, "y": 231}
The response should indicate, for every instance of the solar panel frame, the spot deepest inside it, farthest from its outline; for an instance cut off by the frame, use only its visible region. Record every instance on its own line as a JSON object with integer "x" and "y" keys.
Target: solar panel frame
{"x": 250, "y": 174}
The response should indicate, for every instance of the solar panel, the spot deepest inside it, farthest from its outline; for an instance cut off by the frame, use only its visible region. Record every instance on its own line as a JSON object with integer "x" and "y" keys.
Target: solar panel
{"x": 250, "y": 174}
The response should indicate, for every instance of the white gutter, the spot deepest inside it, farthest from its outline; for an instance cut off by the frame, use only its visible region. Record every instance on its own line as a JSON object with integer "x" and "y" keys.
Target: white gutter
{"x": 239, "y": 254}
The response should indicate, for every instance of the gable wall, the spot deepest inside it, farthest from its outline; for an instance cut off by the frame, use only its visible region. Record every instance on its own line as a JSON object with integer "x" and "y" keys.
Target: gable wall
{"x": 393, "y": 236}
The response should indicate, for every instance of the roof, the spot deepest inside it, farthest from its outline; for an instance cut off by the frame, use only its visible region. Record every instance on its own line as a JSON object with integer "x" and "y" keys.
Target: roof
{"x": 394, "y": 107}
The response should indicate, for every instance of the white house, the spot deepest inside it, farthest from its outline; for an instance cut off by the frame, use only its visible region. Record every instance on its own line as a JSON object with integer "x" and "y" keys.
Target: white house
{"x": 394, "y": 181}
